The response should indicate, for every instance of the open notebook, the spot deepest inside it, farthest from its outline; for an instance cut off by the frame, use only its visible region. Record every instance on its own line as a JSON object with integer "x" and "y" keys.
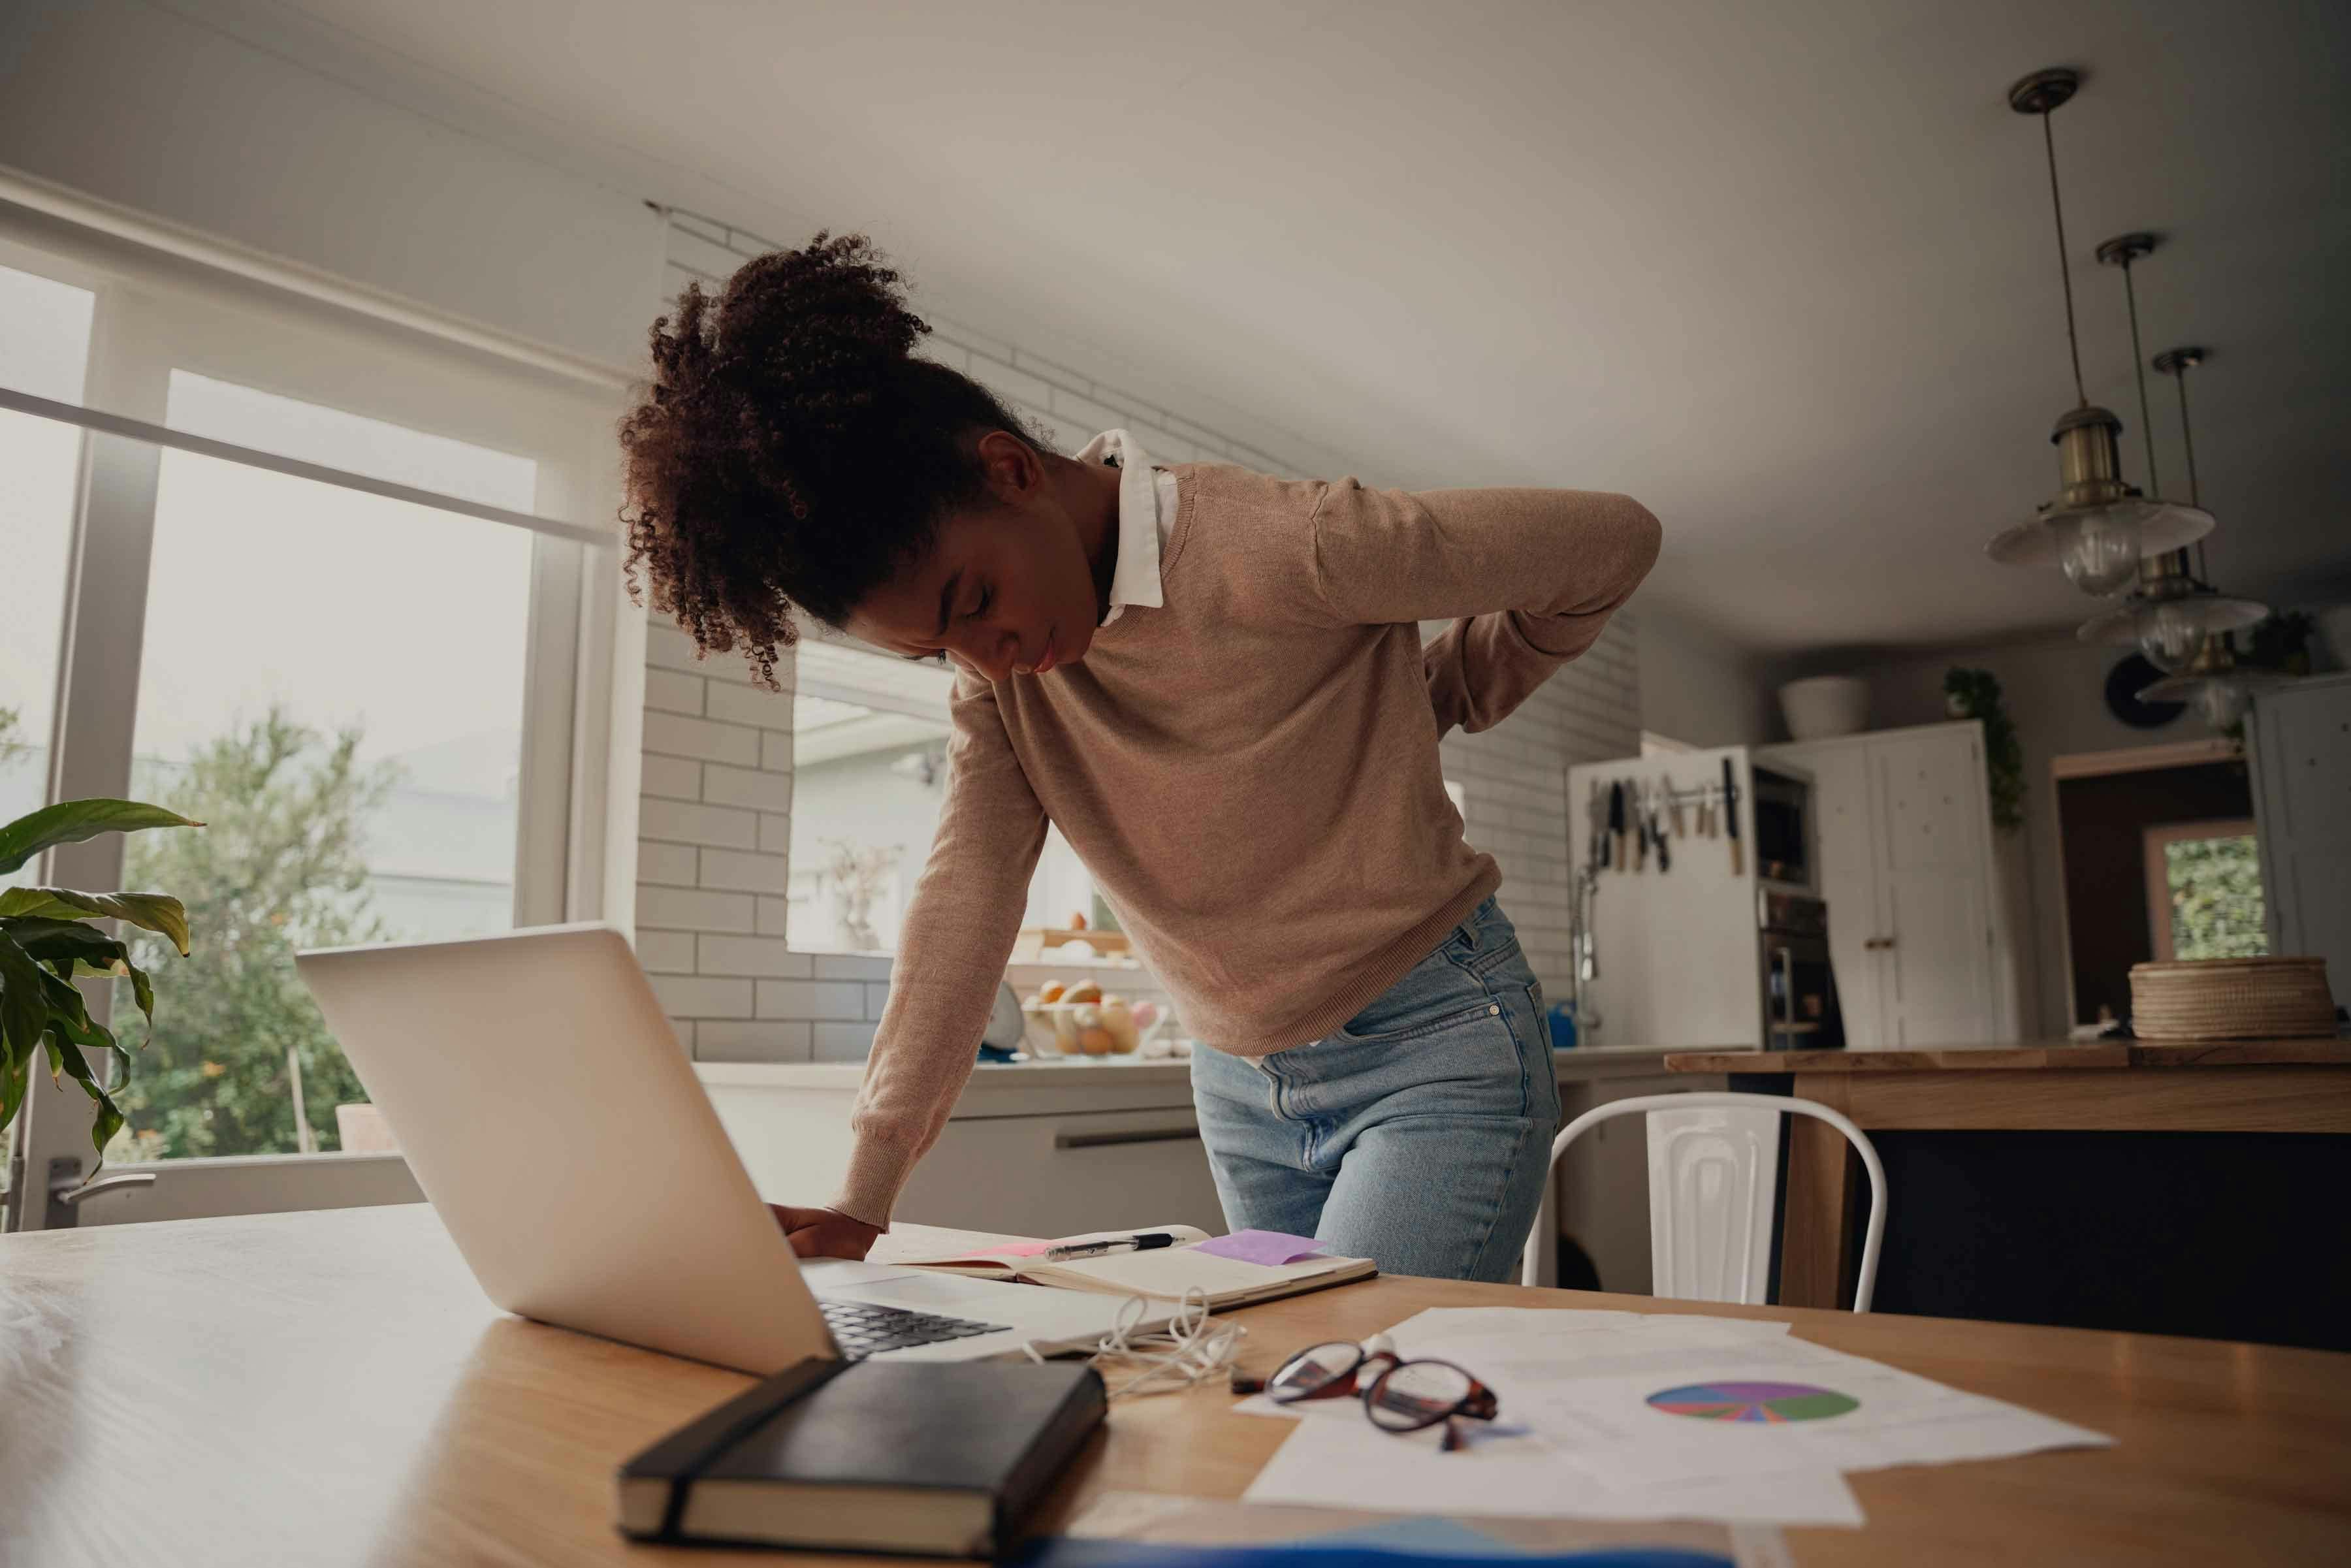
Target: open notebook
{"x": 1162, "y": 1274}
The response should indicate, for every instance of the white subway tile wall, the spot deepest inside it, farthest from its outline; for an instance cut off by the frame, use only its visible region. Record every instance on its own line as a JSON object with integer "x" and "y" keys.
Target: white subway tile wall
{"x": 1513, "y": 780}
{"x": 717, "y": 793}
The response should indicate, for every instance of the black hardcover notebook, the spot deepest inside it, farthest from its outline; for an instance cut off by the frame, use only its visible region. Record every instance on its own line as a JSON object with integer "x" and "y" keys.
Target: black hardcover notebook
{"x": 943, "y": 1459}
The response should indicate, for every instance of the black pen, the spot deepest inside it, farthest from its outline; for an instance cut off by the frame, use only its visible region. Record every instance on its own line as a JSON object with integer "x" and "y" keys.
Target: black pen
{"x": 1145, "y": 1242}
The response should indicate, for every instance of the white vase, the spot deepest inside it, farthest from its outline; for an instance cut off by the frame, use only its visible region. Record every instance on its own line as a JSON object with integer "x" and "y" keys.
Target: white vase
{"x": 1825, "y": 707}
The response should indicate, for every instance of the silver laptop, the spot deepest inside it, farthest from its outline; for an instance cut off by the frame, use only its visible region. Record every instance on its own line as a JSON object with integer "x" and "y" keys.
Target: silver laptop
{"x": 545, "y": 1108}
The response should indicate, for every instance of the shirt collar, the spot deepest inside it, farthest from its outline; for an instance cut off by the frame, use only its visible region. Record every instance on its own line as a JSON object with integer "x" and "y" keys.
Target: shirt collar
{"x": 1134, "y": 576}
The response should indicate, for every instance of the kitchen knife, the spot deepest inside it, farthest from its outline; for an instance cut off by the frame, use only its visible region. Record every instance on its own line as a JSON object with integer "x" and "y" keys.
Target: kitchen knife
{"x": 1616, "y": 821}
{"x": 1730, "y": 816}
{"x": 1657, "y": 831}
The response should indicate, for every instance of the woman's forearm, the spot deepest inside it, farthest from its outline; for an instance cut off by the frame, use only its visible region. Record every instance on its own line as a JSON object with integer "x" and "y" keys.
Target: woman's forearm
{"x": 952, "y": 948}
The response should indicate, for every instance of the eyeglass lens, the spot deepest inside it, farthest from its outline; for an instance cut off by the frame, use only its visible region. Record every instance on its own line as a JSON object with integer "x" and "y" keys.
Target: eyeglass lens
{"x": 1417, "y": 1393}
{"x": 1314, "y": 1368}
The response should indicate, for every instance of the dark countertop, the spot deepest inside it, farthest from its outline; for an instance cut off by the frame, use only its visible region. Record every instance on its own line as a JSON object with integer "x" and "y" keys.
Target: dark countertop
{"x": 2026, "y": 1056}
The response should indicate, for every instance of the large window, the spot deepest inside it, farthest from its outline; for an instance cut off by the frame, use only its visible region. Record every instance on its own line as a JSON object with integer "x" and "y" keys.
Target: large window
{"x": 360, "y": 781}
{"x": 869, "y": 774}
{"x": 386, "y": 709}
{"x": 44, "y": 350}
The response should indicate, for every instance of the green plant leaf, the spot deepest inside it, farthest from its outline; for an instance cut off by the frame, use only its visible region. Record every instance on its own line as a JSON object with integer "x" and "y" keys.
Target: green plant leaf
{"x": 156, "y": 912}
{"x": 71, "y": 821}
{"x": 24, "y": 1003}
{"x": 50, "y": 940}
{"x": 14, "y": 1075}
{"x": 69, "y": 1018}
{"x": 65, "y": 1003}
{"x": 96, "y": 1037}
{"x": 142, "y": 991}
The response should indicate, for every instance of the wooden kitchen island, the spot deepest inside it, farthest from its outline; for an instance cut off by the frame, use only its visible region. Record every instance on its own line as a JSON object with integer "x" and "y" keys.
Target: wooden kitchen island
{"x": 2168, "y": 1187}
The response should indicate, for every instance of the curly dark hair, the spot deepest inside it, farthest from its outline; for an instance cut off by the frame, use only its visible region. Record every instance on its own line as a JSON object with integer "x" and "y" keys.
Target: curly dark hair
{"x": 791, "y": 450}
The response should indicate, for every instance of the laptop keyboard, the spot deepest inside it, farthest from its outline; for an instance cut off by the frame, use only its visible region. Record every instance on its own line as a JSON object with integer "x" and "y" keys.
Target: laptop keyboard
{"x": 862, "y": 1330}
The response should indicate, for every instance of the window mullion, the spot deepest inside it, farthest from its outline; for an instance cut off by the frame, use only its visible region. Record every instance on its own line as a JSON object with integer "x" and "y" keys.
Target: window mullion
{"x": 98, "y": 706}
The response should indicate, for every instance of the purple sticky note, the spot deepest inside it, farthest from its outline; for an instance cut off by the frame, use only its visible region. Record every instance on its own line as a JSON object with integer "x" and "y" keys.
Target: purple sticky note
{"x": 1270, "y": 1248}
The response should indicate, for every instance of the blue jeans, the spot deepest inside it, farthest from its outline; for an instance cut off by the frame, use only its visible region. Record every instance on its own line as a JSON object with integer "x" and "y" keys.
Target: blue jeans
{"x": 1418, "y": 1136}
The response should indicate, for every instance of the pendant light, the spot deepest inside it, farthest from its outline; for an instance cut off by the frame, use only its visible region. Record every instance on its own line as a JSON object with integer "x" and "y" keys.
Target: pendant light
{"x": 2219, "y": 687}
{"x": 2173, "y": 611}
{"x": 2098, "y": 528}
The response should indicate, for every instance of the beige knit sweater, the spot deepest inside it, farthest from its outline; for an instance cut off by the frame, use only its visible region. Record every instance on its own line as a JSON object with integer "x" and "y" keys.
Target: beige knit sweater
{"x": 1249, "y": 772}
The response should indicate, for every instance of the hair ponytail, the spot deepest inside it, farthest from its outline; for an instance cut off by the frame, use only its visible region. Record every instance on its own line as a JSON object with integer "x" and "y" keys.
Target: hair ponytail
{"x": 791, "y": 449}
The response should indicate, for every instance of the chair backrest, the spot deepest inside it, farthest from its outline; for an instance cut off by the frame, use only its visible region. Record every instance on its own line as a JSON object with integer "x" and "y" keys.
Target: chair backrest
{"x": 1713, "y": 1181}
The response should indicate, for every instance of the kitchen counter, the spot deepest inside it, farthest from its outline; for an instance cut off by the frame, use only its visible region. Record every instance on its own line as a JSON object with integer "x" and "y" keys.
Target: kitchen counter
{"x": 2018, "y": 1056}
{"x": 2163, "y": 1187}
{"x": 1057, "y": 1147}
{"x": 993, "y": 1079}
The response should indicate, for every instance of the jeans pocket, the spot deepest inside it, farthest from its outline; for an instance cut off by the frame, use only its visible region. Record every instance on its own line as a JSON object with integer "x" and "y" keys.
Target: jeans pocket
{"x": 1436, "y": 995}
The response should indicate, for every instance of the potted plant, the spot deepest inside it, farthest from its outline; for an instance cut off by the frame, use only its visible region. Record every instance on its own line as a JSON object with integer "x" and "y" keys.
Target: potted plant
{"x": 1975, "y": 694}
{"x": 47, "y": 940}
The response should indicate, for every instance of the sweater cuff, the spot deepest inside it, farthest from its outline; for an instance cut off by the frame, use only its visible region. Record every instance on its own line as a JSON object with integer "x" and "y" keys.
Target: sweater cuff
{"x": 877, "y": 1170}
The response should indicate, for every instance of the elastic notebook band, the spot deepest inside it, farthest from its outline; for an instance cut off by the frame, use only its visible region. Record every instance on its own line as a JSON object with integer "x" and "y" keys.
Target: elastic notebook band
{"x": 776, "y": 1395}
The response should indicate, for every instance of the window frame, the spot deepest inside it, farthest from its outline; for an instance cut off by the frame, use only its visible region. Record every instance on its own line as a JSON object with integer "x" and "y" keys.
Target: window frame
{"x": 156, "y": 312}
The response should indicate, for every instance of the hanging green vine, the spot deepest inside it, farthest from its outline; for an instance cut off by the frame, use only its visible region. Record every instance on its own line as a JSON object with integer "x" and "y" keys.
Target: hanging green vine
{"x": 1975, "y": 694}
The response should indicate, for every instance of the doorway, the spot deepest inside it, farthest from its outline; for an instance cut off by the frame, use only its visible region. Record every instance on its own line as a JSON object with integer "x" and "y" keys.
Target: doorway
{"x": 2160, "y": 860}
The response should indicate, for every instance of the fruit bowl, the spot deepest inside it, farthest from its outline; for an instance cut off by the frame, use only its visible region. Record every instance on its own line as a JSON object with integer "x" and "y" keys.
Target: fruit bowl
{"x": 1107, "y": 1027}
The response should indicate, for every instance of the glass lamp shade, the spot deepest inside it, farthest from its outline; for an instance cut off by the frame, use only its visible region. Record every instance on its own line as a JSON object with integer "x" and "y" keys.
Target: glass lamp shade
{"x": 2219, "y": 699}
{"x": 2222, "y": 702}
{"x": 2098, "y": 547}
{"x": 2169, "y": 638}
{"x": 2170, "y": 630}
{"x": 2099, "y": 553}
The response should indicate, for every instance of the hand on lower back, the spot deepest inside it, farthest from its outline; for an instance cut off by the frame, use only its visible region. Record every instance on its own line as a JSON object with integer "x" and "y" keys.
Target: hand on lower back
{"x": 824, "y": 1233}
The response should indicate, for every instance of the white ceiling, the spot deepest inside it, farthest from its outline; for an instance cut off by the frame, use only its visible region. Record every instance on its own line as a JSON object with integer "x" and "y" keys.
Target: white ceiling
{"x": 1783, "y": 272}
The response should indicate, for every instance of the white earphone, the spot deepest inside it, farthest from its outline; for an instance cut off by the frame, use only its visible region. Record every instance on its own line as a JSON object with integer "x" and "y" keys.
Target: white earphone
{"x": 1191, "y": 1349}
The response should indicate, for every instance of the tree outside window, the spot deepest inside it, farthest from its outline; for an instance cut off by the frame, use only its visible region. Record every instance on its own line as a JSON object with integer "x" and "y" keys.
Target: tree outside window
{"x": 2204, "y": 891}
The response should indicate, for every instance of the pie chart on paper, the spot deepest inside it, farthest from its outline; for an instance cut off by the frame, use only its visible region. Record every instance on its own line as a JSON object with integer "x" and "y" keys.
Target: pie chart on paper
{"x": 1773, "y": 1403}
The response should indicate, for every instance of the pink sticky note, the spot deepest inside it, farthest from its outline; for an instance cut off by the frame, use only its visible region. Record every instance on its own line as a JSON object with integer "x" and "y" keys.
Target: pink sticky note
{"x": 1270, "y": 1248}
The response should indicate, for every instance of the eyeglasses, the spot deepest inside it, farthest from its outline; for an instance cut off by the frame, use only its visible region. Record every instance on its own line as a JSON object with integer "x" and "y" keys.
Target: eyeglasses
{"x": 1398, "y": 1396}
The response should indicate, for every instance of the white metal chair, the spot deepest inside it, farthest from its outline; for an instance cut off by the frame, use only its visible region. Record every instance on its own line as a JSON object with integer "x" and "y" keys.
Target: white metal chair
{"x": 1713, "y": 1184}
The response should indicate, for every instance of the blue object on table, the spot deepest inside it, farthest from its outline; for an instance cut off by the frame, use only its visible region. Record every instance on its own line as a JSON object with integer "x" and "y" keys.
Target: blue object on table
{"x": 1562, "y": 1026}
{"x": 1353, "y": 1551}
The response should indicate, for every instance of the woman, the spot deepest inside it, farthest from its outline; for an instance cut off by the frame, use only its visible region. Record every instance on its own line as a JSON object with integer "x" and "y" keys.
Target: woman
{"x": 1213, "y": 682}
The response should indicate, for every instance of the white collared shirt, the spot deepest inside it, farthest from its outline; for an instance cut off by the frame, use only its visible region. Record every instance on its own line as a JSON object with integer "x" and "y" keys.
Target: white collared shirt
{"x": 1146, "y": 515}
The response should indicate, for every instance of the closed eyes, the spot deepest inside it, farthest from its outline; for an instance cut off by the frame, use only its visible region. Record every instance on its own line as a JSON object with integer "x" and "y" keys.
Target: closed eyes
{"x": 987, "y": 598}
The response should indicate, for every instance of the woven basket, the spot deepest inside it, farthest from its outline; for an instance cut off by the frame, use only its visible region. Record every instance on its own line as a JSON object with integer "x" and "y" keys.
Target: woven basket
{"x": 2231, "y": 999}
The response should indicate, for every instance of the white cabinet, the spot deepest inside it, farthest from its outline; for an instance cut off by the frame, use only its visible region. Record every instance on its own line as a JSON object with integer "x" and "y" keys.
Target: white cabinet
{"x": 1845, "y": 848}
{"x": 1067, "y": 1175}
{"x": 2301, "y": 752}
{"x": 1904, "y": 838}
{"x": 1029, "y": 1151}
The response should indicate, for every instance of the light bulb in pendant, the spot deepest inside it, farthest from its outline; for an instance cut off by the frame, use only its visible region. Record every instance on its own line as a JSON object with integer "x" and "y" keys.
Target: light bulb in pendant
{"x": 2222, "y": 704}
{"x": 2170, "y": 634}
{"x": 2099, "y": 551}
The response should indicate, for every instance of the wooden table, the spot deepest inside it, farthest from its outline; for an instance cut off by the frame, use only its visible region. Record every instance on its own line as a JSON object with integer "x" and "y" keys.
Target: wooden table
{"x": 2285, "y": 1086}
{"x": 330, "y": 1388}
